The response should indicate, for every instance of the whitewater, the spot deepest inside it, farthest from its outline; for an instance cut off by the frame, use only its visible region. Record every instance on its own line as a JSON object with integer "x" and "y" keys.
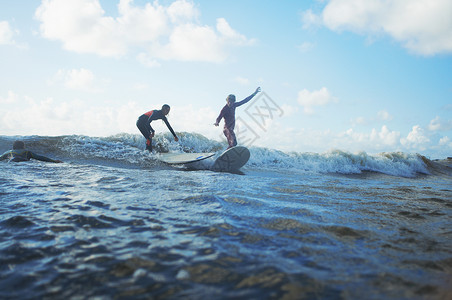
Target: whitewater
{"x": 113, "y": 222}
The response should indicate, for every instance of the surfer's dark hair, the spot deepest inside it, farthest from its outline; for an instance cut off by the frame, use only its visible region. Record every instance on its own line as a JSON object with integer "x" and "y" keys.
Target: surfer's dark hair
{"x": 165, "y": 106}
{"x": 17, "y": 145}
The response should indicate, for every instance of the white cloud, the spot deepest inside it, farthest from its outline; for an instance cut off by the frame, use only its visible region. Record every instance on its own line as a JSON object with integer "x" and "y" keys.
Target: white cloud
{"x": 138, "y": 25}
{"x": 51, "y": 117}
{"x": 360, "y": 121}
{"x": 46, "y": 115}
{"x": 445, "y": 141}
{"x": 310, "y": 99}
{"x": 11, "y": 98}
{"x": 164, "y": 32}
{"x": 147, "y": 60}
{"x": 306, "y": 47}
{"x": 310, "y": 19}
{"x": 382, "y": 115}
{"x": 422, "y": 26}
{"x": 381, "y": 140}
{"x": 77, "y": 79}
{"x": 190, "y": 42}
{"x": 81, "y": 26}
{"x": 230, "y": 36}
{"x": 289, "y": 110}
{"x": 416, "y": 139}
{"x": 182, "y": 11}
{"x": 190, "y": 118}
{"x": 437, "y": 124}
{"x": 293, "y": 139}
{"x": 385, "y": 136}
{"x": 6, "y": 34}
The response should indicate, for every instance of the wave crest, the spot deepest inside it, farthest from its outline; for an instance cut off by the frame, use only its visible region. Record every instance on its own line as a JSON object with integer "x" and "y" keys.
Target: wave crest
{"x": 128, "y": 150}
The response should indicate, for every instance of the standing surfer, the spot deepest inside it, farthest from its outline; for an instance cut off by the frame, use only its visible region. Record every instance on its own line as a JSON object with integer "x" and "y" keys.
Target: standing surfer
{"x": 144, "y": 124}
{"x": 228, "y": 113}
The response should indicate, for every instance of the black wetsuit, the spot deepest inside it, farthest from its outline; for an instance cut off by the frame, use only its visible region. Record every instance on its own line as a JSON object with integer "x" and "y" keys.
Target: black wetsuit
{"x": 23, "y": 155}
{"x": 144, "y": 125}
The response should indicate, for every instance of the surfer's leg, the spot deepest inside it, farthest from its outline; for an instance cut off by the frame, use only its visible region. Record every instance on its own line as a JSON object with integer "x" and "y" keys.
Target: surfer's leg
{"x": 230, "y": 136}
{"x": 149, "y": 145}
{"x": 145, "y": 131}
{"x": 234, "y": 139}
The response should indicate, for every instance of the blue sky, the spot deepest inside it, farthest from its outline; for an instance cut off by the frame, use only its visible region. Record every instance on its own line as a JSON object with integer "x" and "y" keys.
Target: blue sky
{"x": 373, "y": 76}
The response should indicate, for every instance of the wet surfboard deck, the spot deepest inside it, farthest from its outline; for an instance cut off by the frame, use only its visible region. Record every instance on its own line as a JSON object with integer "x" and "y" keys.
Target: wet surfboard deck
{"x": 183, "y": 158}
{"x": 232, "y": 159}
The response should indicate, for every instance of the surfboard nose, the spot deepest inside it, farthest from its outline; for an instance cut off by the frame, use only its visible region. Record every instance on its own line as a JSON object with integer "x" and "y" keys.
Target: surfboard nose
{"x": 232, "y": 159}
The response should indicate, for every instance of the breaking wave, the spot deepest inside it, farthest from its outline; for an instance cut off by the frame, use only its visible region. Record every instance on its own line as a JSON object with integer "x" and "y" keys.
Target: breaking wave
{"x": 127, "y": 150}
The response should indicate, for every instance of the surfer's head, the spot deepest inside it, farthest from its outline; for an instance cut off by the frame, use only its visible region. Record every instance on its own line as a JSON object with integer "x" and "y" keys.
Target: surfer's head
{"x": 17, "y": 145}
{"x": 230, "y": 99}
{"x": 165, "y": 109}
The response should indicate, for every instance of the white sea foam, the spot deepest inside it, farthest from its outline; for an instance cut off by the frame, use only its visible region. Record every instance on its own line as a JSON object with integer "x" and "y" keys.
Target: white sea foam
{"x": 337, "y": 161}
{"x": 129, "y": 149}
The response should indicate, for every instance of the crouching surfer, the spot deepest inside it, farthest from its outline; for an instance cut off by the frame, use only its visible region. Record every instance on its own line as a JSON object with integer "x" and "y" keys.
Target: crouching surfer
{"x": 19, "y": 153}
{"x": 144, "y": 124}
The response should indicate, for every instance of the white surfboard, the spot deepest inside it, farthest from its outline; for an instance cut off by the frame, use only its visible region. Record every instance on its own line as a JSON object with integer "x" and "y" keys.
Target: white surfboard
{"x": 183, "y": 158}
{"x": 232, "y": 159}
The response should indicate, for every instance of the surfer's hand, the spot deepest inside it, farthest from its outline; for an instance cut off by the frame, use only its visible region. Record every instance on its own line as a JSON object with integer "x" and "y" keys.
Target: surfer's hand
{"x": 176, "y": 138}
{"x": 257, "y": 90}
{"x": 216, "y": 124}
{"x": 151, "y": 135}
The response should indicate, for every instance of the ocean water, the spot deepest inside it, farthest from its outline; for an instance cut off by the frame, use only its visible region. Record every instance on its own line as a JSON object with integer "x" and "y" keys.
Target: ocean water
{"x": 112, "y": 222}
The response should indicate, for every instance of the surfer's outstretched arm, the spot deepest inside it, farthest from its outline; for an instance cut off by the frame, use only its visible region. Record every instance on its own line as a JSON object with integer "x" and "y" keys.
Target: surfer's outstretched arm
{"x": 170, "y": 128}
{"x": 248, "y": 98}
{"x": 43, "y": 158}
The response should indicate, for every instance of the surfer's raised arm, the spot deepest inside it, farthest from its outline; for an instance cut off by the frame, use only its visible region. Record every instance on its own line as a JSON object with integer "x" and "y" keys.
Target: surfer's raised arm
{"x": 247, "y": 99}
